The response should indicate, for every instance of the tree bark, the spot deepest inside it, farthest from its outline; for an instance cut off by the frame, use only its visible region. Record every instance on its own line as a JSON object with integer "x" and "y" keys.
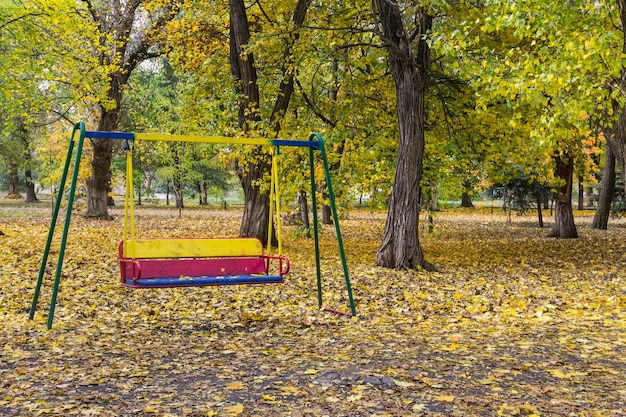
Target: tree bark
{"x": 178, "y": 185}
{"x": 564, "y": 227}
{"x": 99, "y": 182}
{"x": 255, "y": 220}
{"x": 132, "y": 47}
{"x": 14, "y": 182}
{"x": 31, "y": 195}
{"x": 601, "y": 217}
{"x": 581, "y": 193}
{"x": 466, "y": 200}
{"x": 539, "y": 211}
{"x": 304, "y": 212}
{"x": 401, "y": 248}
{"x": 616, "y": 135}
{"x": 327, "y": 217}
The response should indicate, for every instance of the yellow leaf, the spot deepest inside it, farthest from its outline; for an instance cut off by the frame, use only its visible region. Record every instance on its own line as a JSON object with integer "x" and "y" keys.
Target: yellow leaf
{"x": 445, "y": 398}
{"x": 235, "y": 385}
{"x": 235, "y": 409}
{"x": 269, "y": 398}
{"x": 311, "y": 372}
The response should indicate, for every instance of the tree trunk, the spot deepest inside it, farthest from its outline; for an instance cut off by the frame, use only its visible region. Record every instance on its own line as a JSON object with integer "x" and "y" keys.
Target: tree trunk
{"x": 401, "y": 248}
{"x": 601, "y": 218}
{"x": 466, "y": 200}
{"x": 14, "y": 182}
{"x": 31, "y": 195}
{"x": 179, "y": 194}
{"x": 616, "y": 136}
{"x": 123, "y": 37}
{"x": 304, "y": 212}
{"x": 255, "y": 221}
{"x": 564, "y": 227}
{"x": 99, "y": 183}
{"x": 539, "y": 211}
{"x": 333, "y": 93}
{"x": 581, "y": 193}
{"x": 327, "y": 217}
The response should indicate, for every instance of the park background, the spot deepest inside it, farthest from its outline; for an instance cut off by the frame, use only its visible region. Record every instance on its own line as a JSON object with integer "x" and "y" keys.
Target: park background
{"x": 422, "y": 105}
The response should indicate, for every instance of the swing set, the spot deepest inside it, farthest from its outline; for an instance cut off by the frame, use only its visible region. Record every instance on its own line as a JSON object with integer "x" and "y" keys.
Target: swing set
{"x": 169, "y": 263}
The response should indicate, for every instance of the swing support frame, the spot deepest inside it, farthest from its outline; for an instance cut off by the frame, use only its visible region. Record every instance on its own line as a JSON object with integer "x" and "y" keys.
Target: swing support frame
{"x": 79, "y": 133}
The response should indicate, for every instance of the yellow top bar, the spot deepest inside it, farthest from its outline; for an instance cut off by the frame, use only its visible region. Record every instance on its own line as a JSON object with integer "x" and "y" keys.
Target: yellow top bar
{"x": 201, "y": 139}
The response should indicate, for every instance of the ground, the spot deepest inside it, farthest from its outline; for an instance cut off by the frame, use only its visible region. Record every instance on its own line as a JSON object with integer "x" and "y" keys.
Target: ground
{"x": 513, "y": 323}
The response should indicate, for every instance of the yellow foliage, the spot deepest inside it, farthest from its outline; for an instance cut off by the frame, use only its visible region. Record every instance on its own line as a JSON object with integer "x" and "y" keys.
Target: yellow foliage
{"x": 470, "y": 339}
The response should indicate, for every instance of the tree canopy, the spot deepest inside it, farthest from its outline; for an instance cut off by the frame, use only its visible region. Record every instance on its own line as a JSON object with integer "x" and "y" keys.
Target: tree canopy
{"x": 523, "y": 91}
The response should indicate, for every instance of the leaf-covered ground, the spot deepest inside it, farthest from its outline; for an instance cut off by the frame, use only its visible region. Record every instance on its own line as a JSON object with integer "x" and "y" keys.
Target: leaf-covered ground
{"x": 514, "y": 323}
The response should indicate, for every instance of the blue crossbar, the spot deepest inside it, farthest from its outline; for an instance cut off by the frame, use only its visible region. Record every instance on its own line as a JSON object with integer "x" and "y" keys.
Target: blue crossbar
{"x": 203, "y": 281}
{"x": 109, "y": 135}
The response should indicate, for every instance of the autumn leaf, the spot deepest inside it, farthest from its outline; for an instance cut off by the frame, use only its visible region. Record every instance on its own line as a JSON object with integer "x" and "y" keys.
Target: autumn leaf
{"x": 165, "y": 347}
{"x": 234, "y": 410}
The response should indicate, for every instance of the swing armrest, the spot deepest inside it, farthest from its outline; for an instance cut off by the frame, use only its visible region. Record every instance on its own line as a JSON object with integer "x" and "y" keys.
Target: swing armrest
{"x": 134, "y": 264}
{"x": 283, "y": 263}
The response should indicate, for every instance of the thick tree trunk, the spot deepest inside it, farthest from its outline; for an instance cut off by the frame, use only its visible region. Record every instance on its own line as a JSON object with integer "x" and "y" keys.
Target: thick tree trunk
{"x": 31, "y": 195}
{"x": 120, "y": 40}
{"x": 539, "y": 211}
{"x": 334, "y": 166}
{"x": 179, "y": 194}
{"x": 255, "y": 221}
{"x": 327, "y": 217}
{"x": 616, "y": 141}
{"x": 401, "y": 248}
{"x": 99, "y": 183}
{"x": 303, "y": 207}
{"x": 14, "y": 182}
{"x": 581, "y": 193}
{"x": 564, "y": 227}
{"x": 616, "y": 136}
{"x": 466, "y": 200}
{"x": 601, "y": 218}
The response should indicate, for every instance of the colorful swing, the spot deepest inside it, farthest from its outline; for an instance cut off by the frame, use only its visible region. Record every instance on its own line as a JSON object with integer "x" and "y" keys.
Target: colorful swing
{"x": 167, "y": 263}
{"x": 161, "y": 263}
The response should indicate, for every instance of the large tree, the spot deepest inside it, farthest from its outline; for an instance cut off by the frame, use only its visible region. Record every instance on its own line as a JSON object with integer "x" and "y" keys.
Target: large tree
{"x": 616, "y": 133}
{"x": 409, "y": 59}
{"x": 255, "y": 221}
{"x": 127, "y": 31}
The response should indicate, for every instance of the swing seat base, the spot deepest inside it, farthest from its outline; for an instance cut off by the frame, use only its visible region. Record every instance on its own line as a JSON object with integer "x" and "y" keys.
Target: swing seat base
{"x": 165, "y": 263}
{"x": 185, "y": 281}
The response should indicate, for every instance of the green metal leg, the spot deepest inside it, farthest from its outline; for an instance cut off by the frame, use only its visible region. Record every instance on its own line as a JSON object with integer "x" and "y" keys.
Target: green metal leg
{"x": 55, "y": 214}
{"x": 315, "y": 228}
{"x": 333, "y": 207}
{"x": 68, "y": 216}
